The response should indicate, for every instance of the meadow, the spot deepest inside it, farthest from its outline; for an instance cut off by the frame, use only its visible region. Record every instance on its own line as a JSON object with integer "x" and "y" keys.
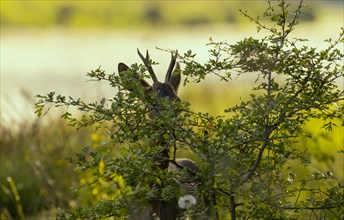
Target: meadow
{"x": 36, "y": 175}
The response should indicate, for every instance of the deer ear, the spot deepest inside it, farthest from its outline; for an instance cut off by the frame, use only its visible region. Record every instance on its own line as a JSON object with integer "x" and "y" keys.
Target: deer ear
{"x": 123, "y": 68}
{"x": 175, "y": 78}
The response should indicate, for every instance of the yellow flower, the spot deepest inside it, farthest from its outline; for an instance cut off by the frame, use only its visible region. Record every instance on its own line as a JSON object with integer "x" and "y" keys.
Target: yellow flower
{"x": 96, "y": 139}
{"x": 95, "y": 191}
{"x": 101, "y": 167}
{"x": 120, "y": 182}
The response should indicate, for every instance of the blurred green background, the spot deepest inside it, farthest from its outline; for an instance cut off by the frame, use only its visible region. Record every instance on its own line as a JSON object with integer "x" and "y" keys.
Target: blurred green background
{"x": 51, "y": 45}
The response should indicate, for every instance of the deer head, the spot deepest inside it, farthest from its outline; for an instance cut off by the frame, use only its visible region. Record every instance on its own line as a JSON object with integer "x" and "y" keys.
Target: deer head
{"x": 167, "y": 89}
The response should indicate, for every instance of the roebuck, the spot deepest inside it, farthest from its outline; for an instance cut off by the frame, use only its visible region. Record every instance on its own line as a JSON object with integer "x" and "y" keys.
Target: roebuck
{"x": 160, "y": 209}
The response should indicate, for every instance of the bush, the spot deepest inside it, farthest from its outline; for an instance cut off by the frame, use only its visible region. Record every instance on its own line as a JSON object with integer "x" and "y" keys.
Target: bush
{"x": 245, "y": 157}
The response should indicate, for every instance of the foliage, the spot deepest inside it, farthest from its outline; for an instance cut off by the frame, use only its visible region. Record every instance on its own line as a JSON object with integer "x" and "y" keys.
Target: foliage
{"x": 246, "y": 156}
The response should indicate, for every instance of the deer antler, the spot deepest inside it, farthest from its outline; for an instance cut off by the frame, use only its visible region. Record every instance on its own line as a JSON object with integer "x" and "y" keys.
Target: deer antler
{"x": 170, "y": 68}
{"x": 148, "y": 65}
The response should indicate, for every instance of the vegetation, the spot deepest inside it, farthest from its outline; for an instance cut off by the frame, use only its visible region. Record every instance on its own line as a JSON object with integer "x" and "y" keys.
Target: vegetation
{"x": 35, "y": 175}
{"x": 116, "y": 14}
{"x": 300, "y": 169}
{"x": 255, "y": 159}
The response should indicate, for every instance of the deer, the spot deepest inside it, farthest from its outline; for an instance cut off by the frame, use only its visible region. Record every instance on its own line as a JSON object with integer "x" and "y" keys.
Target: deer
{"x": 158, "y": 209}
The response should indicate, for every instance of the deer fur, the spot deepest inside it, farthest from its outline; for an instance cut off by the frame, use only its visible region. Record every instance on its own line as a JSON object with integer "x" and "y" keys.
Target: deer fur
{"x": 164, "y": 210}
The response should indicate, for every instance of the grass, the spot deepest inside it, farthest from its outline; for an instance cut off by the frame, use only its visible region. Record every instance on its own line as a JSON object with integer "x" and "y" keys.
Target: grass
{"x": 35, "y": 174}
{"x": 131, "y": 14}
{"x": 114, "y": 13}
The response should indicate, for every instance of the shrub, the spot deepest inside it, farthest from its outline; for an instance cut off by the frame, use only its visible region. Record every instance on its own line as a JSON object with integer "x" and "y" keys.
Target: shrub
{"x": 246, "y": 156}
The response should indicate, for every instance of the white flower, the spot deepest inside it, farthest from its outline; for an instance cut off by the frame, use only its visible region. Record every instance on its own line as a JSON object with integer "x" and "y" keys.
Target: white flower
{"x": 186, "y": 201}
{"x": 155, "y": 216}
